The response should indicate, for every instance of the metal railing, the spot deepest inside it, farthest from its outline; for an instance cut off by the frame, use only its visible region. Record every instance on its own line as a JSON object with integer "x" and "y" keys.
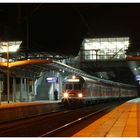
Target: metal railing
{"x": 91, "y": 55}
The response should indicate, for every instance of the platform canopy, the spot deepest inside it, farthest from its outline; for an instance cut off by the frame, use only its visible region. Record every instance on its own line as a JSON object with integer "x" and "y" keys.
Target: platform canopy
{"x": 27, "y": 68}
{"x": 35, "y": 67}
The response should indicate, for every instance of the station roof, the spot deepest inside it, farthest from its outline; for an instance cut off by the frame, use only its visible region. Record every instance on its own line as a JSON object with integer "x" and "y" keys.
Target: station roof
{"x": 33, "y": 68}
{"x": 28, "y": 68}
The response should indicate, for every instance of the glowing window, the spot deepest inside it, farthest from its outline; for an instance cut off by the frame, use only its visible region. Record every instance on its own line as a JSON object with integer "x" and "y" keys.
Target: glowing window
{"x": 105, "y": 48}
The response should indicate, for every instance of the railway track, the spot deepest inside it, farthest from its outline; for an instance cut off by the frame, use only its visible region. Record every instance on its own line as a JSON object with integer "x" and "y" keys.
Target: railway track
{"x": 74, "y": 122}
{"x": 56, "y": 124}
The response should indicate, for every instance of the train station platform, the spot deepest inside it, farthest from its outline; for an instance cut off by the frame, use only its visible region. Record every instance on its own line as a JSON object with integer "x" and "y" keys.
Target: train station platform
{"x": 18, "y": 110}
{"x": 123, "y": 121}
{"x": 5, "y": 104}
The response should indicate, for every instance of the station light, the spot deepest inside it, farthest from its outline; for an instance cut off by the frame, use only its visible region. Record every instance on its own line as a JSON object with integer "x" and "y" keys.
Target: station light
{"x": 73, "y": 77}
{"x": 12, "y": 46}
{"x": 135, "y": 69}
{"x": 73, "y": 80}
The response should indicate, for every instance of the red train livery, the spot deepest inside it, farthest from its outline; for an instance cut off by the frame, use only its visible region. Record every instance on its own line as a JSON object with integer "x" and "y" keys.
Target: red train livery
{"x": 90, "y": 89}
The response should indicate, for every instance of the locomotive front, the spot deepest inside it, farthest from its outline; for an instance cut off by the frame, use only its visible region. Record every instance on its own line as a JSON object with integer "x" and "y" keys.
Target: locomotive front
{"x": 72, "y": 89}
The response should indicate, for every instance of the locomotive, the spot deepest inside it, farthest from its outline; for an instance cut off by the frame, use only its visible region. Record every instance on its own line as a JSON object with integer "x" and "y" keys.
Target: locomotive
{"x": 90, "y": 89}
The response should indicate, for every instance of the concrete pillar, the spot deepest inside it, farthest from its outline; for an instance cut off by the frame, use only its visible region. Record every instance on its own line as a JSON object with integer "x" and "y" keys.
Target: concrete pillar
{"x": 60, "y": 86}
{"x": 21, "y": 89}
{"x": 28, "y": 89}
{"x": 25, "y": 90}
{"x": 31, "y": 89}
{"x": 33, "y": 86}
{"x": 14, "y": 89}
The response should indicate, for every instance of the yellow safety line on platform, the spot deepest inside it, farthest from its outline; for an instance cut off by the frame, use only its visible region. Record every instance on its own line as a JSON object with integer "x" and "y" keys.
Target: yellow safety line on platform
{"x": 120, "y": 122}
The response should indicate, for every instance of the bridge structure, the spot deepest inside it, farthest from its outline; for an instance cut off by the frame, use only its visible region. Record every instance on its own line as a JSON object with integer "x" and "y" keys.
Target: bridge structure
{"x": 105, "y": 58}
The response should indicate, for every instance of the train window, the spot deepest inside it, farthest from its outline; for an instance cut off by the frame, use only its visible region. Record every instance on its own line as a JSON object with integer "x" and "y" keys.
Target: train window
{"x": 77, "y": 86}
{"x": 68, "y": 86}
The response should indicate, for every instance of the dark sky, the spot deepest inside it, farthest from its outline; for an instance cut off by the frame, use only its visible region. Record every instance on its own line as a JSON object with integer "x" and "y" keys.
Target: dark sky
{"x": 61, "y": 27}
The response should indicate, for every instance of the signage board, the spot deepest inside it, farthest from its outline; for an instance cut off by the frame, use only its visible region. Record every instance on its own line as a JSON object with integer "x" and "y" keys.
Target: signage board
{"x": 138, "y": 77}
{"x": 52, "y": 79}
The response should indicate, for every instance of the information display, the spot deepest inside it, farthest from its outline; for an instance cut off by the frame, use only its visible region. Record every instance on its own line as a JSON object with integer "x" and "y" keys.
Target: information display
{"x": 52, "y": 79}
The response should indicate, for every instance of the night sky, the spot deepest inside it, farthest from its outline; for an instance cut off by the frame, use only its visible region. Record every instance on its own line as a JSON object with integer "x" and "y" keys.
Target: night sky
{"x": 61, "y": 27}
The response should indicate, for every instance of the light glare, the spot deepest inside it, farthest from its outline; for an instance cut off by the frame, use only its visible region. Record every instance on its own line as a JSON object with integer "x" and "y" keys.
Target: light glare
{"x": 80, "y": 95}
{"x": 66, "y": 95}
{"x": 73, "y": 77}
{"x": 9, "y": 46}
{"x": 73, "y": 80}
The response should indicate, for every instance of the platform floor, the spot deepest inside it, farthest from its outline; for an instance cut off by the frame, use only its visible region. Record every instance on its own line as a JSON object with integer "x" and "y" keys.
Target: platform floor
{"x": 123, "y": 121}
{"x": 18, "y": 104}
{"x": 19, "y": 110}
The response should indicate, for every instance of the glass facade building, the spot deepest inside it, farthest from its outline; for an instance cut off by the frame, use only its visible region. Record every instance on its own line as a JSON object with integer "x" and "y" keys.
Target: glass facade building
{"x": 104, "y": 48}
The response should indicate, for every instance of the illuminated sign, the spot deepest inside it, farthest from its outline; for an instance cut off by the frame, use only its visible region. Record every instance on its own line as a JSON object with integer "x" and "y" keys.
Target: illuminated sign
{"x": 52, "y": 79}
{"x": 138, "y": 77}
{"x": 73, "y": 80}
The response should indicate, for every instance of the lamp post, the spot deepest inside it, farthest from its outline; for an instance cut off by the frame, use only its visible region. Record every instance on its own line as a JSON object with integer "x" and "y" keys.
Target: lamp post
{"x": 8, "y": 78}
{"x": 7, "y": 47}
{"x": 96, "y": 51}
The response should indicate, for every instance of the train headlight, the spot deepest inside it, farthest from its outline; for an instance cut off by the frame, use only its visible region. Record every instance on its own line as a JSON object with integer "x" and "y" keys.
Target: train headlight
{"x": 80, "y": 95}
{"x": 66, "y": 95}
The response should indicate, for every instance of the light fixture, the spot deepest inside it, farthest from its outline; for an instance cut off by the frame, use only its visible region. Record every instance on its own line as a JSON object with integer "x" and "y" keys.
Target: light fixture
{"x": 12, "y": 45}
